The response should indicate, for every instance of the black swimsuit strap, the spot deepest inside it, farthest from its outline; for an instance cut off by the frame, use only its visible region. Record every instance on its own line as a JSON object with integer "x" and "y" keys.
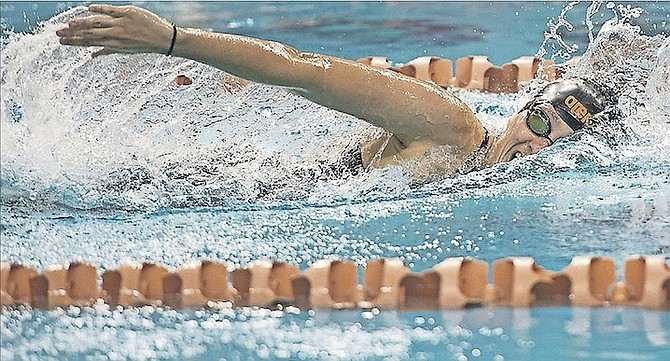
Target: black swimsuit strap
{"x": 475, "y": 160}
{"x": 485, "y": 142}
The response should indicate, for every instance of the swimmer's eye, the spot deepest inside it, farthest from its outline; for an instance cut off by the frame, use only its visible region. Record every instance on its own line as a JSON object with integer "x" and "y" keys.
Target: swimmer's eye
{"x": 538, "y": 123}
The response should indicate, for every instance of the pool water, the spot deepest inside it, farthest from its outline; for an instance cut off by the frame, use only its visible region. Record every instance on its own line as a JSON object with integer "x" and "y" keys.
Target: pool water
{"x": 104, "y": 161}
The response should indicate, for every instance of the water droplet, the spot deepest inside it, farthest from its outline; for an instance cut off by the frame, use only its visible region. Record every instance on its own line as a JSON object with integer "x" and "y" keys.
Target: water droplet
{"x": 265, "y": 111}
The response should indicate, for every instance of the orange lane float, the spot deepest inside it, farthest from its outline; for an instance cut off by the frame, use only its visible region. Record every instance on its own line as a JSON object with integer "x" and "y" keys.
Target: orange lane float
{"x": 197, "y": 283}
{"x": 591, "y": 280}
{"x": 328, "y": 284}
{"x": 382, "y": 282}
{"x": 647, "y": 282}
{"x": 516, "y": 280}
{"x": 463, "y": 282}
{"x": 134, "y": 284}
{"x": 264, "y": 283}
{"x": 588, "y": 281}
{"x": 15, "y": 284}
{"x": 63, "y": 285}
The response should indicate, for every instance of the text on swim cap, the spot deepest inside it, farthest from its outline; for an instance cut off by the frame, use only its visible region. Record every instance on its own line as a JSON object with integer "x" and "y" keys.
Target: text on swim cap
{"x": 578, "y": 109}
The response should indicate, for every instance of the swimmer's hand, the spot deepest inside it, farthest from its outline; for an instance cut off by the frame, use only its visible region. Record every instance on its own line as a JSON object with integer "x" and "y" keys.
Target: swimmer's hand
{"x": 120, "y": 29}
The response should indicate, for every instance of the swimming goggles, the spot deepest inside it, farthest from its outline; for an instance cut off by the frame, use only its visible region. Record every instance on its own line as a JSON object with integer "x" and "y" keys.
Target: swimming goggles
{"x": 538, "y": 121}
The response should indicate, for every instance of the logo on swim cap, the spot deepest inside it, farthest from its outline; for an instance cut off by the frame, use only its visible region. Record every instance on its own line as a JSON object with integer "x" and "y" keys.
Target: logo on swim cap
{"x": 575, "y": 100}
{"x": 577, "y": 109}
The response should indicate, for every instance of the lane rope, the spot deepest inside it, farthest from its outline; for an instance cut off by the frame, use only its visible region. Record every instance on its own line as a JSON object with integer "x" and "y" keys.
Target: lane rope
{"x": 475, "y": 72}
{"x": 454, "y": 283}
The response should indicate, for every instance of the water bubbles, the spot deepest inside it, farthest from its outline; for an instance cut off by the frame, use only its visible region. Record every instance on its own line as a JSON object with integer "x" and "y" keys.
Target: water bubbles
{"x": 265, "y": 111}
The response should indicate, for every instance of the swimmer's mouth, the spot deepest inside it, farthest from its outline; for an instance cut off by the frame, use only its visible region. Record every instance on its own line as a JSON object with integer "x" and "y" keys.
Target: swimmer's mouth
{"x": 518, "y": 155}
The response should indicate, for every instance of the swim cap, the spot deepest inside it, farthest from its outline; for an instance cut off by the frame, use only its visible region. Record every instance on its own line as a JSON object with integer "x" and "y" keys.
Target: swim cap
{"x": 575, "y": 100}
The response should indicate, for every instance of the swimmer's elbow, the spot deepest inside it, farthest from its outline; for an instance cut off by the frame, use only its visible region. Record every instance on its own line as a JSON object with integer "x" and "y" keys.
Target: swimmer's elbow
{"x": 294, "y": 69}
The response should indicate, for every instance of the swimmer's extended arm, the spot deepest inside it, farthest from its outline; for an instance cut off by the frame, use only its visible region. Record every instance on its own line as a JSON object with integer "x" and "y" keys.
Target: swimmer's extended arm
{"x": 416, "y": 112}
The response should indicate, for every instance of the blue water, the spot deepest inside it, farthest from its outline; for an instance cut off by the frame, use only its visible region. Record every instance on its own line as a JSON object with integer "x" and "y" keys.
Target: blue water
{"x": 103, "y": 161}
{"x": 479, "y": 334}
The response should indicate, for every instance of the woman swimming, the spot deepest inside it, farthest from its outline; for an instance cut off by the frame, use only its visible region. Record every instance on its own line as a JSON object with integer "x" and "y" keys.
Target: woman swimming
{"x": 420, "y": 116}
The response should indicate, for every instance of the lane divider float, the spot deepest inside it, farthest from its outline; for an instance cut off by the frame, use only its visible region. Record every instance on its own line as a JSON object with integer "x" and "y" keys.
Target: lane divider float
{"x": 475, "y": 72}
{"x": 454, "y": 283}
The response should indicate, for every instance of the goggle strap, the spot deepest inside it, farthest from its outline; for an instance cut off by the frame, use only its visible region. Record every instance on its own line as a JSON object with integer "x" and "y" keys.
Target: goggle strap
{"x": 568, "y": 118}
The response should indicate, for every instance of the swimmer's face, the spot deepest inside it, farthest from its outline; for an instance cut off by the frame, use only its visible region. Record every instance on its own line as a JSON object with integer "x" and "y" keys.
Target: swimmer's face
{"x": 519, "y": 139}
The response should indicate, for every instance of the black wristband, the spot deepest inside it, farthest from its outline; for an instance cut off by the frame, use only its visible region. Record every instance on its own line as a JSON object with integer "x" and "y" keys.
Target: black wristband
{"x": 174, "y": 40}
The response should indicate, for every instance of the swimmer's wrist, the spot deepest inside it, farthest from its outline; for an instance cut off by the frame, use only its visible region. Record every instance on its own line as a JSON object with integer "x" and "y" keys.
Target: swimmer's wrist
{"x": 182, "y": 38}
{"x": 185, "y": 45}
{"x": 172, "y": 41}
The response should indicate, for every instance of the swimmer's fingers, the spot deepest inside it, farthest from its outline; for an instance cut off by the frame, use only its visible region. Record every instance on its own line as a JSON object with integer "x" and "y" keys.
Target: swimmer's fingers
{"x": 127, "y": 29}
{"x": 92, "y": 22}
{"x": 91, "y": 29}
{"x": 92, "y": 37}
{"x": 86, "y": 32}
{"x": 88, "y": 41}
{"x": 83, "y": 26}
{"x": 111, "y": 10}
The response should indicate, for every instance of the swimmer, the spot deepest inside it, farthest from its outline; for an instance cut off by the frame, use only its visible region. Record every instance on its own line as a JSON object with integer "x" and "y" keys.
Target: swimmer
{"x": 419, "y": 116}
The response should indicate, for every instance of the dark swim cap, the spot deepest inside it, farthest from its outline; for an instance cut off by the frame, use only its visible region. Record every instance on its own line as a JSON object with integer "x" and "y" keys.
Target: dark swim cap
{"x": 575, "y": 100}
